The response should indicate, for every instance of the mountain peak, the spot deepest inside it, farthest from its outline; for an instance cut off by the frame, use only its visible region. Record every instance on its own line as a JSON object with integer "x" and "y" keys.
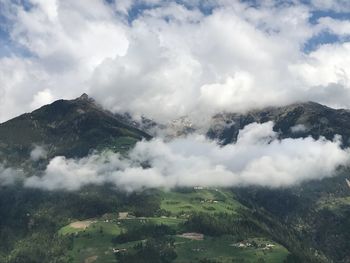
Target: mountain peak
{"x": 71, "y": 128}
{"x": 85, "y": 97}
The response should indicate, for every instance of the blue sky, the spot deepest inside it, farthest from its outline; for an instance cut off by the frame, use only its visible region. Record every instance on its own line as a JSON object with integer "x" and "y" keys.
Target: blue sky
{"x": 326, "y": 37}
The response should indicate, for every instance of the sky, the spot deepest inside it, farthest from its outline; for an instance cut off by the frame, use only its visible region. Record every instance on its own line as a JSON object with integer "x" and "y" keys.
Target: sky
{"x": 187, "y": 58}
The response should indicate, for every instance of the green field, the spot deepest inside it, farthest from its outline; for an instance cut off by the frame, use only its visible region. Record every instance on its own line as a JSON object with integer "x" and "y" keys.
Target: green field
{"x": 94, "y": 241}
{"x": 223, "y": 250}
{"x": 333, "y": 203}
{"x": 205, "y": 200}
{"x": 94, "y": 244}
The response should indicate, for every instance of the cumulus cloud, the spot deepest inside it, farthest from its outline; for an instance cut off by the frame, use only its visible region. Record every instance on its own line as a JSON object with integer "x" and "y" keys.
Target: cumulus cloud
{"x": 325, "y": 74}
{"x": 169, "y": 55}
{"x": 257, "y": 158}
{"x": 64, "y": 41}
{"x": 196, "y": 64}
{"x": 338, "y": 27}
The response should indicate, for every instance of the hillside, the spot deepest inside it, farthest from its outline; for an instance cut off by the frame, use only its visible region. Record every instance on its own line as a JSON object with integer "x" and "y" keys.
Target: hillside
{"x": 319, "y": 211}
{"x": 304, "y": 223}
{"x": 70, "y": 128}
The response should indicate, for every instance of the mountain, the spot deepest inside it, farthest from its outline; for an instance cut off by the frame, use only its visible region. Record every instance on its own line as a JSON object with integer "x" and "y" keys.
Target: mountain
{"x": 70, "y": 128}
{"x": 307, "y": 223}
{"x": 293, "y": 121}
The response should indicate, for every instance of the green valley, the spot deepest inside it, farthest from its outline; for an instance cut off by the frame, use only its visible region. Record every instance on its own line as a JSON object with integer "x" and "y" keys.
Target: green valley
{"x": 96, "y": 240}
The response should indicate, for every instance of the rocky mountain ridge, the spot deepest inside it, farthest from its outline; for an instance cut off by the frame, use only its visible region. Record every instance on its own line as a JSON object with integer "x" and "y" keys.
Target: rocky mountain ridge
{"x": 293, "y": 121}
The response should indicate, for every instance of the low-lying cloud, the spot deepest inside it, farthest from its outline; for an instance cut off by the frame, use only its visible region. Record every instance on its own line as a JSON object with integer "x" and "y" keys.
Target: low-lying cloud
{"x": 38, "y": 153}
{"x": 257, "y": 158}
{"x": 9, "y": 176}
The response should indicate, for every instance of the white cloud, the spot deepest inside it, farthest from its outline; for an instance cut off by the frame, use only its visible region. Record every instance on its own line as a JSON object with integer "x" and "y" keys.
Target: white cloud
{"x": 70, "y": 34}
{"x": 338, "y": 27}
{"x": 197, "y": 64}
{"x": 43, "y": 97}
{"x": 325, "y": 73}
{"x": 298, "y": 128}
{"x": 9, "y": 176}
{"x": 70, "y": 174}
{"x": 258, "y": 158}
{"x": 123, "y": 6}
{"x": 232, "y": 94}
{"x": 38, "y": 153}
{"x": 335, "y": 5}
{"x": 16, "y": 89}
{"x": 170, "y": 57}
{"x": 66, "y": 40}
